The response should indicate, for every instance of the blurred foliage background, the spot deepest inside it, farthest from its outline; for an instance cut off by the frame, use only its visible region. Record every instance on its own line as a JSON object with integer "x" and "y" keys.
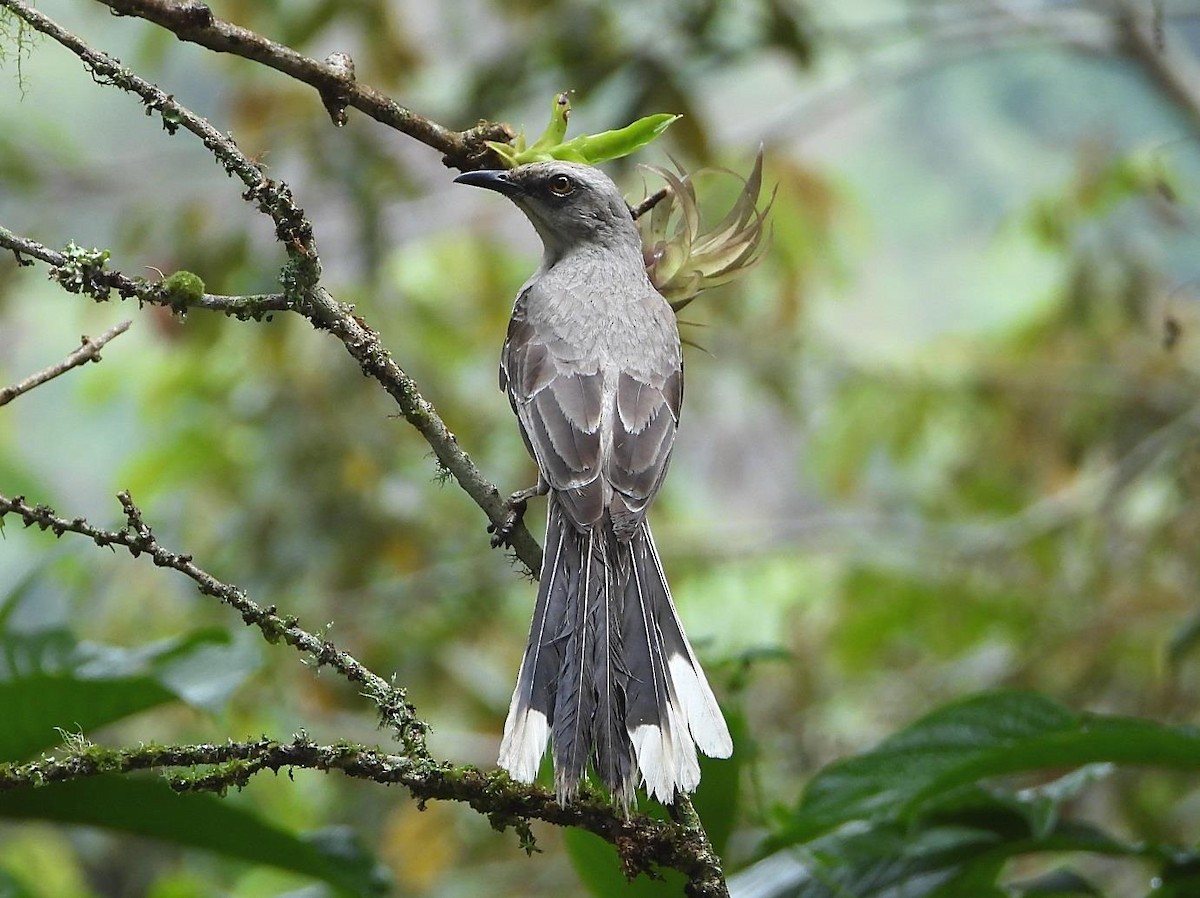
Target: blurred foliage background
{"x": 943, "y": 439}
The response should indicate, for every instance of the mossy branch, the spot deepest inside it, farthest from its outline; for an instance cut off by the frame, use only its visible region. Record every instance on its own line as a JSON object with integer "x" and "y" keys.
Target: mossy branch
{"x": 644, "y": 843}
{"x": 86, "y": 272}
{"x": 333, "y": 78}
{"x": 138, "y": 539}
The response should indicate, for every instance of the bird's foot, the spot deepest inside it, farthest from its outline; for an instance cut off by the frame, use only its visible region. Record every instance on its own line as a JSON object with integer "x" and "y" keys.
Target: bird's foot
{"x": 515, "y": 506}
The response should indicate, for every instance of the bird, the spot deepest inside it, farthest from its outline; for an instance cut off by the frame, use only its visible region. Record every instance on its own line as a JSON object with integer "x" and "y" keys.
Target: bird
{"x": 593, "y": 368}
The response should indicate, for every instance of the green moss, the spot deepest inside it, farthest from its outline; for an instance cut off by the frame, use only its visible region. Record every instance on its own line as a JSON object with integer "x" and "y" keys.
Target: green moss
{"x": 183, "y": 289}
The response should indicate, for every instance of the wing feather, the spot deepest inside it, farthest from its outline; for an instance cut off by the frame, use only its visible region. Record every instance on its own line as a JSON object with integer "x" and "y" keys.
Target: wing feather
{"x": 600, "y": 425}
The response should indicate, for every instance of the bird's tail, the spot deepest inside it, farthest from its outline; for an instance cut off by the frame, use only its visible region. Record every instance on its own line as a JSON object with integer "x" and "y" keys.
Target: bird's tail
{"x": 608, "y": 672}
{"x": 670, "y": 708}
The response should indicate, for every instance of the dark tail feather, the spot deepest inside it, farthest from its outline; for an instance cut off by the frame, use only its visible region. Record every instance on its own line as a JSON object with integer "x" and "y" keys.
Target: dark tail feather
{"x": 573, "y": 679}
{"x": 531, "y": 711}
{"x": 609, "y": 672}
{"x": 613, "y": 754}
{"x": 575, "y": 698}
{"x": 671, "y": 710}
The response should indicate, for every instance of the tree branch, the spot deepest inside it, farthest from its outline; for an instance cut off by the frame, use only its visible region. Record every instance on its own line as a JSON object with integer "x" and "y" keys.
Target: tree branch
{"x": 649, "y": 202}
{"x": 89, "y": 351}
{"x": 86, "y": 272}
{"x": 138, "y": 539}
{"x": 1140, "y": 38}
{"x": 334, "y": 79}
{"x": 643, "y": 843}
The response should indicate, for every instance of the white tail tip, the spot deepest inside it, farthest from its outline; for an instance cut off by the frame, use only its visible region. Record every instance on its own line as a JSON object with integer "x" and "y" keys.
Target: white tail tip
{"x": 524, "y": 743}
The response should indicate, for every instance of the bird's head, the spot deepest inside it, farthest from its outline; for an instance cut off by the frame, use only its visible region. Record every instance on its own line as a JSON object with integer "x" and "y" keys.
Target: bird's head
{"x": 571, "y": 206}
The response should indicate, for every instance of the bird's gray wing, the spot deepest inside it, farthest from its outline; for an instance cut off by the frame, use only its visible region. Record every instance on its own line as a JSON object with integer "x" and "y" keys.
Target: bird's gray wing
{"x": 556, "y": 390}
{"x": 556, "y": 387}
{"x": 648, "y": 398}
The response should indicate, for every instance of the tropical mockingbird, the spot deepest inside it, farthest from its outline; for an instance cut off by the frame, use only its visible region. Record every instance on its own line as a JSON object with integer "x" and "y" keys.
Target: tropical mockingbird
{"x": 593, "y": 368}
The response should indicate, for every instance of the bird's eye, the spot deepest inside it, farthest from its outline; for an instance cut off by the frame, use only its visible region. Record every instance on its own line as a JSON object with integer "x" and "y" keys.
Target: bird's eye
{"x": 561, "y": 185}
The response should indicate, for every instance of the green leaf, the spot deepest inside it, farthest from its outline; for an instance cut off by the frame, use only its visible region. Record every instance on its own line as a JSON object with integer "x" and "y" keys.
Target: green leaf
{"x": 11, "y": 887}
{"x": 149, "y": 808}
{"x": 593, "y": 149}
{"x": 880, "y": 861}
{"x": 590, "y": 149}
{"x": 959, "y": 850}
{"x": 1042, "y": 805}
{"x": 50, "y": 683}
{"x": 971, "y": 740}
{"x": 560, "y": 111}
{"x": 39, "y": 710}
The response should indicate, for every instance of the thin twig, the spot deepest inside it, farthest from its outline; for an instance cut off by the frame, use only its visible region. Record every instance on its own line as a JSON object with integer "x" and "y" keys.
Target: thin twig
{"x": 98, "y": 282}
{"x": 89, "y": 351}
{"x": 334, "y": 79}
{"x": 138, "y": 539}
{"x": 649, "y": 202}
{"x": 1176, "y": 73}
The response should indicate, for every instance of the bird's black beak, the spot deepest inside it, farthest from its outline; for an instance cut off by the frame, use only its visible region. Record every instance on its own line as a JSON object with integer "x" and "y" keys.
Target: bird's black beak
{"x": 492, "y": 180}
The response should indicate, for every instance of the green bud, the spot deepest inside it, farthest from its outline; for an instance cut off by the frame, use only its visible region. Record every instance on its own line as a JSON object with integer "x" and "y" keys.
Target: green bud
{"x": 557, "y": 129}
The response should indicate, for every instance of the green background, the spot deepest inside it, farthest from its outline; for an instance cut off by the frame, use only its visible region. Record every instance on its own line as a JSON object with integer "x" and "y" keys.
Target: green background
{"x": 936, "y": 443}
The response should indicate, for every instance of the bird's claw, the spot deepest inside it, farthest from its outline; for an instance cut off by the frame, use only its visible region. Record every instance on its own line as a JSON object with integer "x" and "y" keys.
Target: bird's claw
{"x": 503, "y": 531}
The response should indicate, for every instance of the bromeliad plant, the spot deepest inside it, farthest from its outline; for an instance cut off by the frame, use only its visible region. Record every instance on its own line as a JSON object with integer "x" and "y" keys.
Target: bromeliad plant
{"x": 683, "y": 260}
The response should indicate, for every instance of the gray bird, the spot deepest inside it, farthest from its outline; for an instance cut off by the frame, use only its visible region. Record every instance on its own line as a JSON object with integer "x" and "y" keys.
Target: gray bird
{"x": 593, "y": 369}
